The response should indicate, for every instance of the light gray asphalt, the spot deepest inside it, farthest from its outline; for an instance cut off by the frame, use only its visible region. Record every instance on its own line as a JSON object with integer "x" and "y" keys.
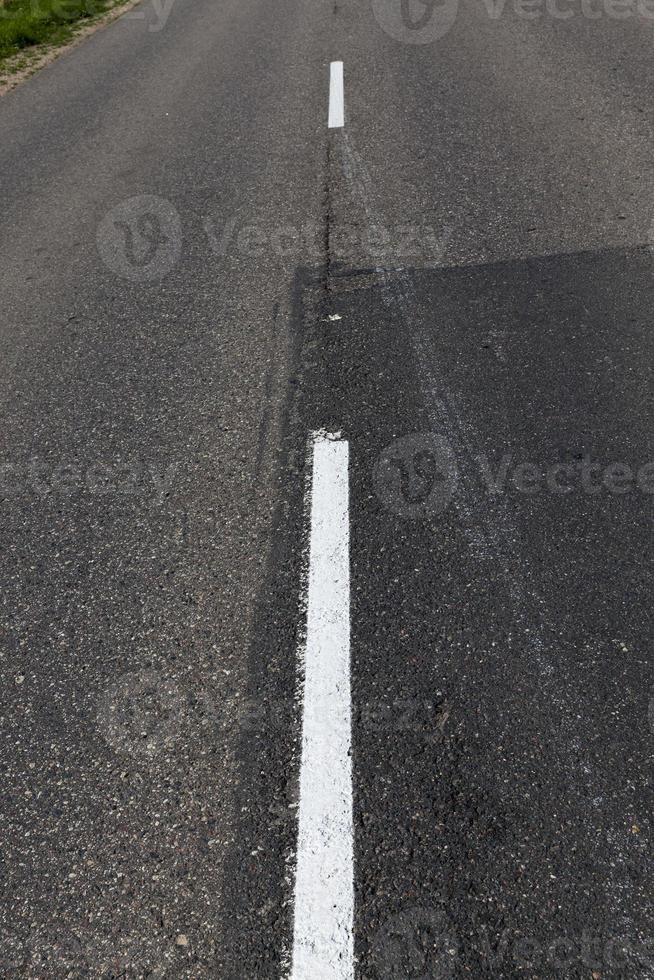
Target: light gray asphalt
{"x": 140, "y": 433}
{"x": 176, "y": 226}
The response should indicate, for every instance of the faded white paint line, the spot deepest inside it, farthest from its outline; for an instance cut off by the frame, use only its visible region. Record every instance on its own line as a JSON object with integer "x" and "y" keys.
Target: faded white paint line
{"x": 336, "y": 96}
{"x": 323, "y": 945}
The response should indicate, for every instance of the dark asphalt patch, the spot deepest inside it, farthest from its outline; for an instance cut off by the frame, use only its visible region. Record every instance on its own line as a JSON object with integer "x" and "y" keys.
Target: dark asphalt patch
{"x": 500, "y": 642}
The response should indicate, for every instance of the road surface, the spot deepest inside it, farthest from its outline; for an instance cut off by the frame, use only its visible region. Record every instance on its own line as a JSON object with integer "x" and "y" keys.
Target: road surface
{"x": 327, "y": 490}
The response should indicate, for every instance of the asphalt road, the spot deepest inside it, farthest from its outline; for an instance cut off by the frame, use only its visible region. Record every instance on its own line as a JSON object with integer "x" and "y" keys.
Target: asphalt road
{"x": 196, "y": 276}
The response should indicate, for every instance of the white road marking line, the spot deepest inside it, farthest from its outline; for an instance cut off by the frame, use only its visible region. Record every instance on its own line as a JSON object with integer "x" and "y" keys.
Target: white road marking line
{"x": 323, "y": 943}
{"x": 336, "y": 96}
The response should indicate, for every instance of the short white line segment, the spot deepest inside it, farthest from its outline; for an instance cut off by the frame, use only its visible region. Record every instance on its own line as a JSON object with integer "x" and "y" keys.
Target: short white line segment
{"x": 336, "y": 96}
{"x": 323, "y": 944}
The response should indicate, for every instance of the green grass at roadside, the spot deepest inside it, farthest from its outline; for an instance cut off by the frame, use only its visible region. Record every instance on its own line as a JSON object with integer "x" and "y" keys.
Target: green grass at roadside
{"x": 24, "y": 23}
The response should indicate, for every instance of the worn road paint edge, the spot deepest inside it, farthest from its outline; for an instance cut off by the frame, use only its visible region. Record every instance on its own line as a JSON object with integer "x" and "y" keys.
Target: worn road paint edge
{"x": 323, "y": 942}
{"x": 336, "y": 118}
